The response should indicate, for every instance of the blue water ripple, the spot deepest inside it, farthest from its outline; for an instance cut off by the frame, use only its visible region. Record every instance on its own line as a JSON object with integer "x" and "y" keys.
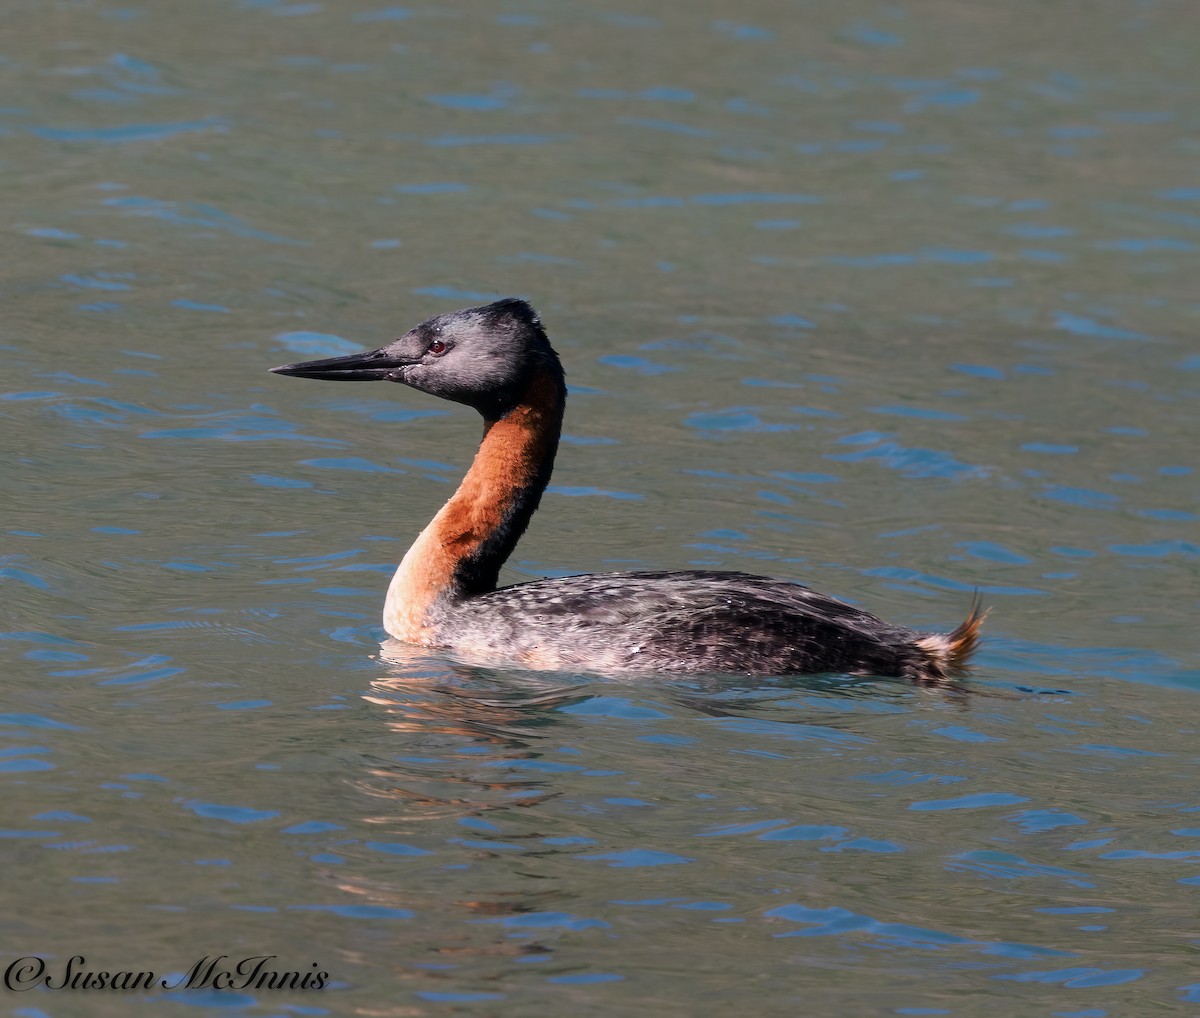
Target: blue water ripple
{"x": 1081, "y": 325}
{"x": 23, "y": 765}
{"x": 792, "y": 321}
{"x": 791, "y": 731}
{"x": 1078, "y": 978}
{"x": 720, "y": 200}
{"x": 1007, "y": 866}
{"x": 913, "y": 576}
{"x": 271, "y": 481}
{"x": 434, "y": 187}
{"x": 194, "y": 214}
{"x": 834, "y": 920}
{"x": 466, "y": 101}
{"x": 806, "y": 477}
{"x": 312, "y": 827}
{"x": 1084, "y": 498}
{"x": 239, "y": 705}
{"x": 874, "y": 845}
{"x": 980, "y": 800}
{"x": 747, "y": 828}
{"x": 191, "y": 305}
{"x": 587, "y": 491}
{"x": 142, "y": 678}
{"x": 384, "y": 14}
{"x": 122, "y": 133}
{"x": 805, "y": 832}
{"x": 960, "y": 733}
{"x": 637, "y": 857}
{"x": 1050, "y": 448}
{"x": 453, "y": 293}
{"x": 1036, "y": 821}
{"x": 734, "y": 419}
{"x": 395, "y": 848}
{"x": 233, "y": 814}
{"x": 614, "y": 707}
{"x": 101, "y": 281}
{"x": 36, "y": 721}
{"x": 1157, "y": 549}
{"x": 866, "y": 33}
{"x": 751, "y": 33}
{"x": 993, "y": 552}
{"x": 911, "y": 462}
{"x": 641, "y": 365}
{"x": 549, "y": 920}
{"x": 463, "y": 140}
{"x": 921, "y": 413}
{"x": 316, "y": 344}
{"x": 357, "y": 464}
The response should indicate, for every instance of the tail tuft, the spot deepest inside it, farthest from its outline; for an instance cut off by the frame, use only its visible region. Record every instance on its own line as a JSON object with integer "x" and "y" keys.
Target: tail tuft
{"x": 948, "y": 655}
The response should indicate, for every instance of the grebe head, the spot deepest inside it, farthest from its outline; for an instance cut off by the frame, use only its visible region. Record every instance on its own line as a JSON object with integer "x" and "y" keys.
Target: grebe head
{"x": 483, "y": 357}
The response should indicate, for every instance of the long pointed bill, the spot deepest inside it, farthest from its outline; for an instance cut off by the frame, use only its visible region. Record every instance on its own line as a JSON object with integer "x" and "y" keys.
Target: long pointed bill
{"x": 369, "y": 366}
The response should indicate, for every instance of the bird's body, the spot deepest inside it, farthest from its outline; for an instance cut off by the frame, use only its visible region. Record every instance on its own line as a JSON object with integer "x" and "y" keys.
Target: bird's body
{"x": 444, "y": 594}
{"x": 691, "y": 621}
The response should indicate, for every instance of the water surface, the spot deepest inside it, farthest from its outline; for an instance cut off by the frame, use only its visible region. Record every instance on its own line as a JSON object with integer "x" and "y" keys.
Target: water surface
{"x": 895, "y": 299}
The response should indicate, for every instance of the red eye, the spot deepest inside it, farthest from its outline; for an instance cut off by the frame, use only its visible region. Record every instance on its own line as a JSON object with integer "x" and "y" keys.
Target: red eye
{"x": 437, "y": 348}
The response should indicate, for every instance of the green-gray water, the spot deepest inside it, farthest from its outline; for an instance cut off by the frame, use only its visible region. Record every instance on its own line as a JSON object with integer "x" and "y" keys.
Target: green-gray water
{"x": 894, "y": 299}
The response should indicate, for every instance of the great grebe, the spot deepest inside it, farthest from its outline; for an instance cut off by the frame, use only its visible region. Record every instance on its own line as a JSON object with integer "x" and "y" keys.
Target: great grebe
{"x": 498, "y": 360}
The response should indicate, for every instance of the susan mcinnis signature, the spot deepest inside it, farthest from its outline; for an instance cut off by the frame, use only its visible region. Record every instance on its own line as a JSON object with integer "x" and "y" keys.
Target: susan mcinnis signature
{"x": 256, "y": 972}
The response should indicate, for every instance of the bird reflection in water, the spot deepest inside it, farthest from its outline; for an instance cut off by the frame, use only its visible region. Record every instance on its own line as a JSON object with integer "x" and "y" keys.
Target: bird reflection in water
{"x": 478, "y": 742}
{"x": 460, "y": 724}
{"x": 467, "y": 735}
{"x": 471, "y": 734}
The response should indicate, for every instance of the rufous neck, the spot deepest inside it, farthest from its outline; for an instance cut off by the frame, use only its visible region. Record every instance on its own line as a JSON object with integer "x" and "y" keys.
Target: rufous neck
{"x": 460, "y": 552}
